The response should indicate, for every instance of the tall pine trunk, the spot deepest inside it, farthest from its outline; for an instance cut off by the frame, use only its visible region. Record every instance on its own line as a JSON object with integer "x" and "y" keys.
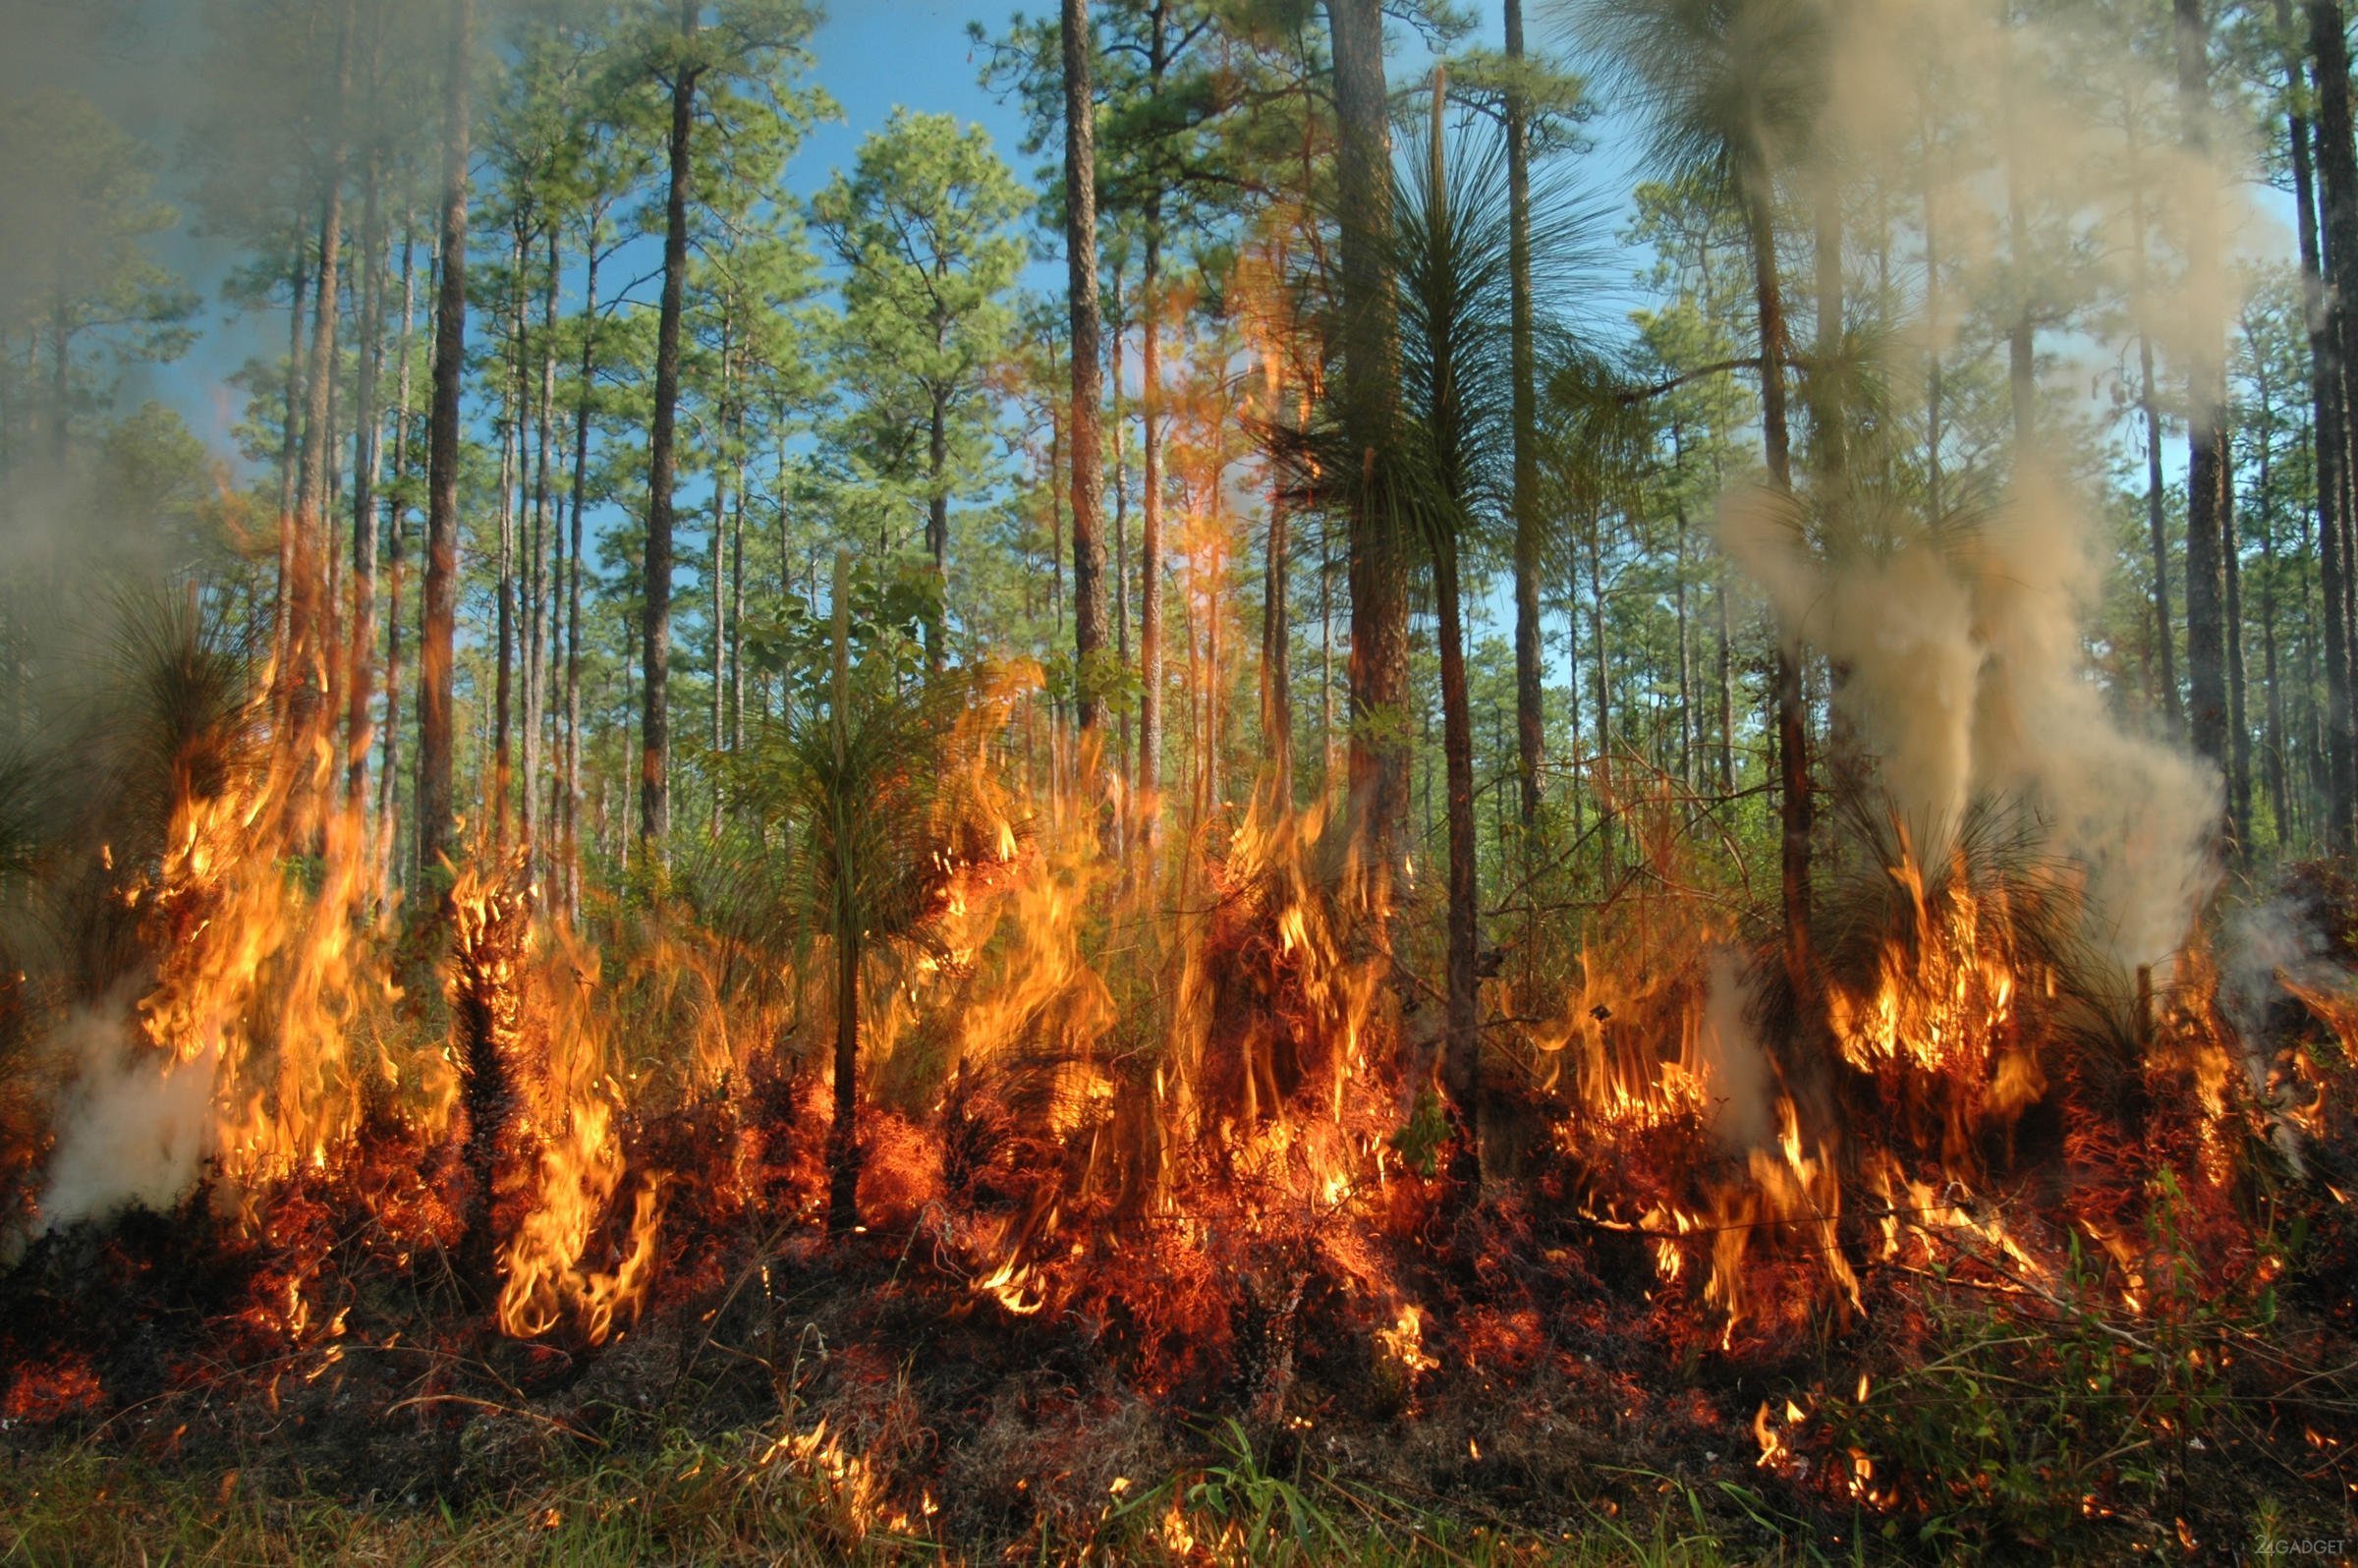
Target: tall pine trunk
{"x": 572, "y": 578}
{"x": 715, "y": 575}
{"x": 390, "y": 867}
{"x": 2272, "y": 745}
{"x": 1379, "y": 757}
{"x": 368, "y": 427}
{"x": 2206, "y": 436}
{"x": 302, "y": 673}
{"x": 2328, "y": 47}
{"x": 1120, "y": 565}
{"x": 2239, "y": 729}
{"x": 843, "y": 1137}
{"x": 654, "y": 730}
{"x": 1531, "y": 734}
{"x": 1795, "y": 807}
{"x": 536, "y": 565}
{"x": 442, "y": 463}
{"x": 511, "y": 465}
{"x": 1277, "y": 631}
{"x": 1081, "y": 290}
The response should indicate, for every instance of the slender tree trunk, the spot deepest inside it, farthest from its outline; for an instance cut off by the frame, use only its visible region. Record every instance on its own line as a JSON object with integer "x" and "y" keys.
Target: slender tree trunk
{"x": 2158, "y": 534}
{"x": 1378, "y": 578}
{"x": 388, "y": 784}
{"x": 2314, "y": 740}
{"x": 1121, "y": 526}
{"x": 1327, "y": 734}
{"x": 2325, "y": 401}
{"x": 1795, "y": 807}
{"x": 511, "y": 467}
{"x": 368, "y": 428}
{"x": 1276, "y": 636}
{"x": 654, "y": 730}
{"x": 2337, "y": 174}
{"x": 2206, "y": 468}
{"x": 329, "y": 633}
{"x": 1531, "y": 729}
{"x": 1150, "y": 541}
{"x": 1935, "y": 317}
{"x": 2021, "y": 365}
{"x": 1829, "y": 433}
{"x": 1686, "y": 655}
{"x": 2150, "y": 404}
{"x": 301, "y": 672}
{"x": 737, "y": 585}
{"x": 937, "y": 520}
{"x": 2239, "y": 730}
{"x": 1609, "y": 807}
{"x": 290, "y": 435}
{"x": 2278, "y": 797}
{"x": 843, "y": 1138}
{"x": 1461, "y": 1059}
{"x": 1727, "y": 692}
{"x": 1086, "y": 314}
{"x": 715, "y": 576}
{"x": 573, "y": 579}
{"x": 536, "y": 566}
{"x": 442, "y": 462}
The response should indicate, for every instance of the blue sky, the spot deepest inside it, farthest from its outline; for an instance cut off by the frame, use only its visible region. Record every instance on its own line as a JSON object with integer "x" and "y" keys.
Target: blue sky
{"x": 872, "y": 55}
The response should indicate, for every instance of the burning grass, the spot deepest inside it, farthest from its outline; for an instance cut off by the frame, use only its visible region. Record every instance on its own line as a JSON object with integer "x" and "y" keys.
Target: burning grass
{"x": 512, "y": 1235}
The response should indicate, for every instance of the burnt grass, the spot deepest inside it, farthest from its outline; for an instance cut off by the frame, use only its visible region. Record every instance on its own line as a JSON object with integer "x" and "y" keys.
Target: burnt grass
{"x": 1442, "y": 1358}
{"x": 1569, "y": 1385}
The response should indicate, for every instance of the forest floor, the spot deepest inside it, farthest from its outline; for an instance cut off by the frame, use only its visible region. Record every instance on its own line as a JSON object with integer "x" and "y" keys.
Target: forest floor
{"x": 855, "y": 1402}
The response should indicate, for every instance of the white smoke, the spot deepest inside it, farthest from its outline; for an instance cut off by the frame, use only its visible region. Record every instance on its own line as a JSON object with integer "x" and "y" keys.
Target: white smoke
{"x": 132, "y": 1123}
{"x": 1961, "y": 645}
{"x": 1728, "y": 1056}
{"x": 1965, "y": 679}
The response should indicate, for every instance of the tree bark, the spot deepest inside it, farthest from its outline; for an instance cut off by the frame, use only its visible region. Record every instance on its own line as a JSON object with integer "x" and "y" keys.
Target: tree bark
{"x": 2338, "y": 177}
{"x": 536, "y": 567}
{"x": 368, "y": 427}
{"x": 1120, "y": 565}
{"x": 2239, "y": 730}
{"x": 302, "y": 674}
{"x": 2273, "y": 749}
{"x": 654, "y": 730}
{"x": 1086, "y": 316}
{"x": 511, "y": 465}
{"x": 573, "y": 579}
{"x": 290, "y": 435}
{"x": 1461, "y": 1057}
{"x": 1276, "y": 638}
{"x": 442, "y": 462}
{"x": 1149, "y": 537}
{"x": 1530, "y": 732}
{"x": 1795, "y": 807}
{"x": 388, "y": 783}
{"x": 1379, "y": 757}
{"x": 715, "y": 575}
{"x": 2206, "y": 437}
{"x": 843, "y": 1138}
{"x": 937, "y": 520}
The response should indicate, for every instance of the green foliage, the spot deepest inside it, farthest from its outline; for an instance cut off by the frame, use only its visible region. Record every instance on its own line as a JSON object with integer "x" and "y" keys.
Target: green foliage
{"x": 1421, "y": 1140}
{"x": 1729, "y": 91}
{"x": 924, "y": 226}
{"x": 2032, "y": 1418}
{"x": 891, "y": 602}
{"x": 78, "y": 205}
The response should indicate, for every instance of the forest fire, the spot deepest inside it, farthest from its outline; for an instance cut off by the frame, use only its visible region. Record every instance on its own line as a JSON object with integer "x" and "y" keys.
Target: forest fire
{"x": 1233, "y": 1219}
{"x": 802, "y": 994}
